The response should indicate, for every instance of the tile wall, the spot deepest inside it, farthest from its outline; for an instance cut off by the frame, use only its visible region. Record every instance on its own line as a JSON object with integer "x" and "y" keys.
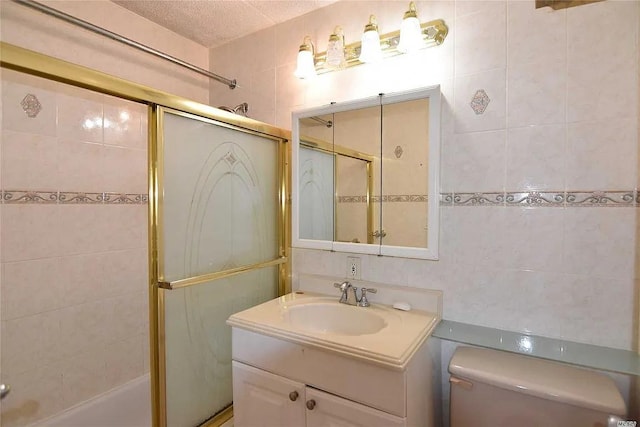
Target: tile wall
{"x": 539, "y": 170}
{"x": 73, "y": 211}
{"x": 74, "y": 245}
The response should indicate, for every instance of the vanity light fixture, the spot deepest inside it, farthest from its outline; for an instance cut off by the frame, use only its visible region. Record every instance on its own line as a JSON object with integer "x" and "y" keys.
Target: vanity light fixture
{"x": 410, "y": 31}
{"x": 335, "y": 49}
{"x": 306, "y": 67}
{"x": 374, "y": 46}
{"x": 370, "y": 49}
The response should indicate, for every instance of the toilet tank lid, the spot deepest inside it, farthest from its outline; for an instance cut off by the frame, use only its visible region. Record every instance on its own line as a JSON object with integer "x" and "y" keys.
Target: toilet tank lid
{"x": 540, "y": 378}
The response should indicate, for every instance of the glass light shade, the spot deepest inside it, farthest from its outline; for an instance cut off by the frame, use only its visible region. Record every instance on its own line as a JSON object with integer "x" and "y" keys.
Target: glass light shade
{"x": 306, "y": 69}
{"x": 410, "y": 35}
{"x": 370, "y": 50}
{"x": 335, "y": 53}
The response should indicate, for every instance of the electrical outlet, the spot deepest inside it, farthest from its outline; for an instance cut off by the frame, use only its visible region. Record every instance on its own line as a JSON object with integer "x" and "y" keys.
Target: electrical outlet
{"x": 353, "y": 268}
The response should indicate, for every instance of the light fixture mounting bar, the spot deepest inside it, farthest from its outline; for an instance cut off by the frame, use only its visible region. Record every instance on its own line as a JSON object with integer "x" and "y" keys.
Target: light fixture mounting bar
{"x": 434, "y": 32}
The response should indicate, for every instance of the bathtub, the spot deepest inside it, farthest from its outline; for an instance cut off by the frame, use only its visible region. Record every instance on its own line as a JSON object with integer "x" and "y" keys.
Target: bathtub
{"x": 126, "y": 406}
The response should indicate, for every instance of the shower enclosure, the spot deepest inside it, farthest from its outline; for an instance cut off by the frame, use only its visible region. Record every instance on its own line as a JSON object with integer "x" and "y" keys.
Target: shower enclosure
{"x": 133, "y": 223}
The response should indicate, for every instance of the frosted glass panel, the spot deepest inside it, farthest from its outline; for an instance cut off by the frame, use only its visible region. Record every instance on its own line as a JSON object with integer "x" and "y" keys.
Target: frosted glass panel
{"x": 220, "y": 205}
{"x": 316, "y": 194}
{"x": 198, "y": 351}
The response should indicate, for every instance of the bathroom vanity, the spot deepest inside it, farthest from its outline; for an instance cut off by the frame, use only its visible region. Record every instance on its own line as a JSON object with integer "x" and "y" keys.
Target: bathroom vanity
{"x": 304, "y": 359}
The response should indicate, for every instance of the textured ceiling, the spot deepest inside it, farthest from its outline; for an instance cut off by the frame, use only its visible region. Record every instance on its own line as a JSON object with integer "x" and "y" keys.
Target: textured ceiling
{"x": 215, "y": 22}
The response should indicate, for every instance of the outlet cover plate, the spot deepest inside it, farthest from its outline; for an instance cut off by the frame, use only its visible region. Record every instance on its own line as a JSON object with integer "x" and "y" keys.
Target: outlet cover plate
{"x": 353, "y": 268}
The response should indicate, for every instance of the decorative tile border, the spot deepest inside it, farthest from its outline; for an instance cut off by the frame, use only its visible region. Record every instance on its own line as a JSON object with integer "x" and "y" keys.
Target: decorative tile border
{"x": 71, "y": 198}
{"x": 386, "y": 198}
{"x": 80, "y": 198}
{"x": 31, "y": 197}
{"x": 536, "y": 198}
{"x": 478, "y": 199}
{"x": 545, "y": 199}
{"x": 602, "y": 198}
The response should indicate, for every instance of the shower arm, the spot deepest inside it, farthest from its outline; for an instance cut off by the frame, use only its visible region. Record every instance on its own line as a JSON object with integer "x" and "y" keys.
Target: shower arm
{"x": 124, "y": 40}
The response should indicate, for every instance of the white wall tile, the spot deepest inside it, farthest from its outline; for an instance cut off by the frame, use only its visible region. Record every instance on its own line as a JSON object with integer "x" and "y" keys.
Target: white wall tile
{"x": 29, "y": 161}
{"x": 31, "y": 287}
{"x": 82, "y": 229}
{"x": 598, "y": 242}
{"x": 536, "y": 158}
{"x": 465, "y": 88}
{"x": 29, "y": 232}
{"x": 601, "y": 155}
{"x": 536, "y": 98}
{"x": 533, "y": 240}
{"x": 83, "y": 327}
{"x": 602, "y": 65}
{"x": 535, "y": 36}
{"x": 30, "y": 342}
{"x": 80, "y": 166}
{"x": 35, "y": 394}
{"x": 84, "y": 376}
{"x": 480, "y": 37}
{"x": 14, "y": 90}
{"x": 124, "y": 361}
{"x": 84, "y": 278}
{"x": 80, "y": 115}
{"x": 123, "y": 123}
{"x": 478, "y": 160}
{"x": 124, "y": 170}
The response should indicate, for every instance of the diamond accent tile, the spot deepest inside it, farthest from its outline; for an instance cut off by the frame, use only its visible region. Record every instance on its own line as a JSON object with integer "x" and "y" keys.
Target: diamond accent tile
{"x": 31, "y": 105}
{"x": 230, "y": 158}
{"x": 480, "y": 101}
{"x": 398, "y": 152}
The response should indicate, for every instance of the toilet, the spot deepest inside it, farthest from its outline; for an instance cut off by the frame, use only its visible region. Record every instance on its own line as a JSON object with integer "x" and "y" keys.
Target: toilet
{"x": 498, "y": 389}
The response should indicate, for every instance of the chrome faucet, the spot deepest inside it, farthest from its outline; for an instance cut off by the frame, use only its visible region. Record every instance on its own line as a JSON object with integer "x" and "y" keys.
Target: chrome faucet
{"x": 350, "y": 294}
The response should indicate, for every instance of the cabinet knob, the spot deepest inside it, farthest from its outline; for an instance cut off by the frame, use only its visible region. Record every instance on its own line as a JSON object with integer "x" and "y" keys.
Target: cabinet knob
{"x": 293, "y": 396}
{"x": 311, "y": 404}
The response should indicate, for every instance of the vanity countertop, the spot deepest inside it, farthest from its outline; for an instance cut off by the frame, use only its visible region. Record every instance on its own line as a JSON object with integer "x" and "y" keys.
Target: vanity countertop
{"x": 399, "y": 336}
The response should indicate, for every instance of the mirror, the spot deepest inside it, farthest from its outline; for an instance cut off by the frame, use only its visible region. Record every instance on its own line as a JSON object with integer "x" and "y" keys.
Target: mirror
{"x": 366, "y": 175}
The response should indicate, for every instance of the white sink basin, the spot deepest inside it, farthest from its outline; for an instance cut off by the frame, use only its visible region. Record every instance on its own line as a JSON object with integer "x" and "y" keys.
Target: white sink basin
{"x": 377, "y": 333}
{"x": 334, "y": 318}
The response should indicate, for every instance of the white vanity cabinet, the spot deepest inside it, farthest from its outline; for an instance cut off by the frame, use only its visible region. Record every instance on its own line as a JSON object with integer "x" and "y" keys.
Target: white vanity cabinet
{"x": 274, "y": 380}
{"x": 264, "y": 399}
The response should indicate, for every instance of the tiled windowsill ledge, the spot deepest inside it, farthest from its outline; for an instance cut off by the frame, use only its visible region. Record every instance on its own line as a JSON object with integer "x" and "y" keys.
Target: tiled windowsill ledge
{"x": 586, "y": 355}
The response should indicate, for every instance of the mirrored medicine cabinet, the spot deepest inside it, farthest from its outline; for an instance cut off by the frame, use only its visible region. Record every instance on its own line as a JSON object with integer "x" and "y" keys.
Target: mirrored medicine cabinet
{"x": 366, "y": 175}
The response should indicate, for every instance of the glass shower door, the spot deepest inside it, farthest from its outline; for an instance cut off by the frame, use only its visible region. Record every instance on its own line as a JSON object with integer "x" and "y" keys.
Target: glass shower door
{"x": 220, "y": 250}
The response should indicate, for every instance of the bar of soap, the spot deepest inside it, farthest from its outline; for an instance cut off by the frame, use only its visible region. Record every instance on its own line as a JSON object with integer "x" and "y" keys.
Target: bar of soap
{"x": 404, "y": 306}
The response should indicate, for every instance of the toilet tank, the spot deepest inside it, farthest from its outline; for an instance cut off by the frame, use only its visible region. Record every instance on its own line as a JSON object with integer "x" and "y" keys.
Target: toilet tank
{"x": 498, "y": 389}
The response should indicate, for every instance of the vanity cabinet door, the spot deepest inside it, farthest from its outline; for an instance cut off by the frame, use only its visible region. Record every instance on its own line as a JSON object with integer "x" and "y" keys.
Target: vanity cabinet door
{"x": 327, "y": 410}
{"x": 264, "y": 399}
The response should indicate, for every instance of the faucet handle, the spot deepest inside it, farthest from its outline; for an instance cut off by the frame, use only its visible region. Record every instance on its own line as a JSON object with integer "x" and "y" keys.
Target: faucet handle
{"x": 342, "y": 286}
{"x": 364, "y": 302}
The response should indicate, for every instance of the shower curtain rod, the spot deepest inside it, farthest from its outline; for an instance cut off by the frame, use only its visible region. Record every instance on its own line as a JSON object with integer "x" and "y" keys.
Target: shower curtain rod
{"x": 327, "y": 123}
{"x": 117, "y": 37}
